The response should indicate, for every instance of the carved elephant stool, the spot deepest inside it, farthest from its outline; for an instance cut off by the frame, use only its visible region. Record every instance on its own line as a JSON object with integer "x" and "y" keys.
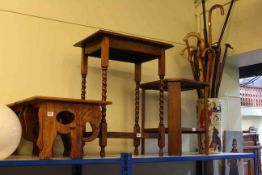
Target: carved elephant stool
{"x": 42, "y": 118}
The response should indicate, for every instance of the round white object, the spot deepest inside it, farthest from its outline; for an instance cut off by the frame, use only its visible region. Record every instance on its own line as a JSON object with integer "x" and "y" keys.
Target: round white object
{"x": 10, "y": 132}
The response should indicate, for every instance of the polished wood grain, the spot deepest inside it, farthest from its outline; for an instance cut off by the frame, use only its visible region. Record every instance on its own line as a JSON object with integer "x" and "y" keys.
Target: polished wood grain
{"x": 127, "y": 135}
{"x": 104, "y": 65}
{"x": 143, "y": 117}
{"x": 30, "y": 126}
{"x": 109, "y": 45}
{"x": 161, "y": 127}
{"x": 137, "y": 99}
{"x": 84, "y": 70}
{"x": 137, "y": 47}
{"x": 174, "y": 119}
{"x": 183, "y": 130}
{"x": 125, "y": 48}
{"x": 174, "y": 129}
{"x": 186, "y": 84}
{"x": 38, "y": 99}
{"x": 44, "y": 117}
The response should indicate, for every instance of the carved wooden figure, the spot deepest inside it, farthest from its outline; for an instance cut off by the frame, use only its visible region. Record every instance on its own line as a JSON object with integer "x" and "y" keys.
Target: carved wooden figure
{"x": 43, "y": 118}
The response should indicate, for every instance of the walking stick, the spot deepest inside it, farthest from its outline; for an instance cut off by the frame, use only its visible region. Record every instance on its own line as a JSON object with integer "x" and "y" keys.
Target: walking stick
{"x": 210, "y": 20}
{"x": 204, "y": 19}
{"x": 225, "y": 23}
{"x": 195, "y": 57}
{"x": 216, "y": 56}
{"x": 217, "y": 47}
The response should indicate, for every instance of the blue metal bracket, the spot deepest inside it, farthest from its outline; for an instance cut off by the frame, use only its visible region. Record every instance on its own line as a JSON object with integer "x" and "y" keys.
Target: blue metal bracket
{"x": 126, "y": 163}
{"x": 256, "y": 163}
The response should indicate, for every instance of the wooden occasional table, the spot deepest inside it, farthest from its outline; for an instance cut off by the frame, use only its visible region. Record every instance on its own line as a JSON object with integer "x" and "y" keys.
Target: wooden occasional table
{"x": 114, "y": 46}
{"x": 174, "y": 87}
{"x": 43, "y": 117}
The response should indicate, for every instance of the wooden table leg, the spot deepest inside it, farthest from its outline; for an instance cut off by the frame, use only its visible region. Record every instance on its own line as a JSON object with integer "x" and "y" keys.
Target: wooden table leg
{"x": 46, "y": 123}
{"x": 28, "y": 118}
{"x": 161, "y": 127}
{"x": 174, "y": 119}
{"x": 84, "y": 70}
{"x": 137, "y": 127}
{"x": 143, "y": 117}
{"x": 104, "y": 65}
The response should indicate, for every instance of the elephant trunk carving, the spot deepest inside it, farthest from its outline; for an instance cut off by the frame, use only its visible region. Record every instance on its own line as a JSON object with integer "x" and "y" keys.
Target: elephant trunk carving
{"x": 94, "y": 134}
{"x": 94, "y": 120}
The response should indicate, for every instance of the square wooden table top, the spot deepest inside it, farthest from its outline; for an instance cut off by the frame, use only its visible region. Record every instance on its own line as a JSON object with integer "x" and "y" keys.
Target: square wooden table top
{"x": 186, "y": 84}
{"x": 39, "y": 99}
{"x": 123, "y": 47}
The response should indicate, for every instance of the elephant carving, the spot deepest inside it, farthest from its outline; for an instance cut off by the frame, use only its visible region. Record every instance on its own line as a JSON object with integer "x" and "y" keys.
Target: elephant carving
{"x": 91, "y": 115}
{"x": 72, "y": 126}
{"x": 42, "y": 123}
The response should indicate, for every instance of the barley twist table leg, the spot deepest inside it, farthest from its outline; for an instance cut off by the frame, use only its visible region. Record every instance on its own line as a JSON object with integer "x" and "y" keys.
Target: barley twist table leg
{"x": 136, "y": 127}
{"x": 137, "y": 134}
{"x": 84, "y": 70}
{"x": 83, "y": 90}
{"x": 103, "y": 133}
{"x": 161, "y": 139}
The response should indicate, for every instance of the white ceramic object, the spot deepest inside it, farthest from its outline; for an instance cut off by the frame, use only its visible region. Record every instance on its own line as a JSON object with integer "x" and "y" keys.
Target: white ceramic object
{"x": 10, "y": 132}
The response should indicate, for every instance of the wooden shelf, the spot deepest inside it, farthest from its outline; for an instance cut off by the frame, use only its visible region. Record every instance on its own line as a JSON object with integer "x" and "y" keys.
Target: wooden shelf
{"x": 186, "y": 84}
{"x": 184, "y": 130}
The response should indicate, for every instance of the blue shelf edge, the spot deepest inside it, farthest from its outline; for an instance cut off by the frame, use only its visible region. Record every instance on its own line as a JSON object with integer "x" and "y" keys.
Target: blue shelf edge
{"x": 127, "y": 160}
{"x": 9, "y": 163}
{"x": 193, "y": 157}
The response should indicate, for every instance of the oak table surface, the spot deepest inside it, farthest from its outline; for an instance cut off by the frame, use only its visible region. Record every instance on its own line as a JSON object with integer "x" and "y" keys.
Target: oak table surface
{"x": 39, "y": 99}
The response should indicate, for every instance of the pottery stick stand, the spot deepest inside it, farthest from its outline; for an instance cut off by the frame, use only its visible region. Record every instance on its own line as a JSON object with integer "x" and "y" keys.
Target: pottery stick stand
{"x": 206, "y": 120}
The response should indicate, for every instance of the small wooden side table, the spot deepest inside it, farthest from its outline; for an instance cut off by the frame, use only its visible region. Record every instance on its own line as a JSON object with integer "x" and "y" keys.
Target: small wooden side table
{"x": 119, "y": 47}
{"x": 174, "y": 87}
{"x": 43, "y": 118}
